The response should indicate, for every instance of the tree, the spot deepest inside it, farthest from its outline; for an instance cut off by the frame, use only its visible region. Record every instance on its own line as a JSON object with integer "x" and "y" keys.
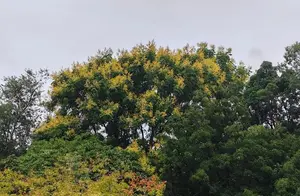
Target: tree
{"x": 289, "y": 85}
{"x": 262, "y": 95}
{"x": 272, "y": 93}
{"x": 130, "y": 96}
{"x": 20, "y": 110}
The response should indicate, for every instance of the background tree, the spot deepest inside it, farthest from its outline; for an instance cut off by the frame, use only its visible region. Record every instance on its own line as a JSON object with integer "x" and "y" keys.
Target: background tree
{"x": 289, "y": 87}
{"x": 20, "y": 110}
{"x": 272, "y": 93}
{"x": 262, "y": 95}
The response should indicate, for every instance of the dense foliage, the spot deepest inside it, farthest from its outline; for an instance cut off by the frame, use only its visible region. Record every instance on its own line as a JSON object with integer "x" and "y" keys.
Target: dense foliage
{"x": 83, "y": 165}
{"x": 132, "y": 95}
{"x": 154, "y": 121}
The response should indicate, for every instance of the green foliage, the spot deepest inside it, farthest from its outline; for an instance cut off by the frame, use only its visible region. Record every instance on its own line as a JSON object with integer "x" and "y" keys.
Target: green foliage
{"x": 193, "y": 162}
{"x": 43, "y": 154}
{"x": 261, "y": 95}
{"x": 273, "y": 92}
{"x": 182, "y": 153}
{"x": 257, "y": 156}
{"x": 83, "y": 165}
{"x": 154, "y": 121}
{"x": 58, "y": 127}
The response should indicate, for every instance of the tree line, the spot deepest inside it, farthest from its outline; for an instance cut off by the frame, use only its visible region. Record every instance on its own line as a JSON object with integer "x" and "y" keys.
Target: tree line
{"x": 154, "y": 121}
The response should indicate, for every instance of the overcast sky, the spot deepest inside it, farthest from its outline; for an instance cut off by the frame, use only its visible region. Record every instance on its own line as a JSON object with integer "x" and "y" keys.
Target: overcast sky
{"x": 54, "y": 33}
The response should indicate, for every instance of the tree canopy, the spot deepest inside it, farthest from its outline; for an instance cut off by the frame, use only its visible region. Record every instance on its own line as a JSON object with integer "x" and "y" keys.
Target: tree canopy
{"x": 131, "y": 95}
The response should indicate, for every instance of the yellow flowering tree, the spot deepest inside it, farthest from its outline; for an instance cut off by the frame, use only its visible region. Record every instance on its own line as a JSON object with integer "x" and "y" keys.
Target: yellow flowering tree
{"x": 130, "y": 95}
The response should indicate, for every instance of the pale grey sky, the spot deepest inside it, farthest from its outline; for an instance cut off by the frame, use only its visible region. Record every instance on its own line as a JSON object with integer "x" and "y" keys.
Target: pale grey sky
{"x": 54, "y": 33}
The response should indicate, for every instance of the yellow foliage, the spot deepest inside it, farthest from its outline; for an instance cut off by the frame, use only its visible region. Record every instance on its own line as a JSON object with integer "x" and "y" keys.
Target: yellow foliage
{"x": 176, "y": 111}
{"x": 12, "y": 182}
{"x": 133, "y": 147}
{"x": 91, "y": 104}
{"x": 61, "y": 181}
{"x": 116, "y": 67}
{"x": 109, "y": 108}
{"x": 207, "y": 90}
{"x": 199, "y": 66}
{"x": 118, "y": 81}
{"x": 146, "y": 166}
{"x": 58, "y": 120}
{"x": 71, "y": 132}
{"x": 143, "y": 160}
{"x": 180, "y": 82}
{"x": 107, "y": 186}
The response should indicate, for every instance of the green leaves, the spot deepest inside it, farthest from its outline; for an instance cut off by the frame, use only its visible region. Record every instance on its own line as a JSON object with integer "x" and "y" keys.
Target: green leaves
{"x": 83, "y": 165}
{"x": 44, "y": 154}
{"x": 155, "y": 121}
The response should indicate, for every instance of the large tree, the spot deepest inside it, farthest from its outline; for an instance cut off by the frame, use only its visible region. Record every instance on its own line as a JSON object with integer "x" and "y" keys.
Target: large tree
{"x": 131, "y": 95}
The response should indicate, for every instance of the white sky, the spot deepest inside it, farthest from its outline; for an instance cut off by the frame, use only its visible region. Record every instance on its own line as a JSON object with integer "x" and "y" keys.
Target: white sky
{"x": 54, "y": 33}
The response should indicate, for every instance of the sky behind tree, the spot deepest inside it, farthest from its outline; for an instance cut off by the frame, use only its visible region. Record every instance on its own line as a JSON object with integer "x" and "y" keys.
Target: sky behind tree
{"x": 54, "y": 33}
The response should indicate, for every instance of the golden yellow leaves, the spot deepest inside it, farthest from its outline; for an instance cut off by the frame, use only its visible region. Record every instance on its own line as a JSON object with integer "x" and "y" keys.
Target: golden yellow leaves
{"x": 62, "y": 181}
{"x": 146, "y": 165}
{"x": 207, "y": 90}
{"x": 91, "y": 104}
{"x": 199, "y": 66}
{"x": 109, "y": 70}
{"x": 211, "y": 65}
{"x": 116, "y": 67}
{"x": 108, "y": 109}
{"x": 176, "y": 111}
{"x": 152, "y": 107}
{"x": 114, "y": 74}
{"x": 214, "y": 69}
{"x": 152, "y": 66}
{"x": 119, "y": 81}
{"x": 58, "y": 181}
{"x": 108, "y": 185}
{"x": 145, "y": 103}
{"x": 163, "y": 52}
{"x": 55, "y": 90}
{"x": 143, "y": 160}
{"x": 134, "y": 147}
{"x": 57, "y": 121}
